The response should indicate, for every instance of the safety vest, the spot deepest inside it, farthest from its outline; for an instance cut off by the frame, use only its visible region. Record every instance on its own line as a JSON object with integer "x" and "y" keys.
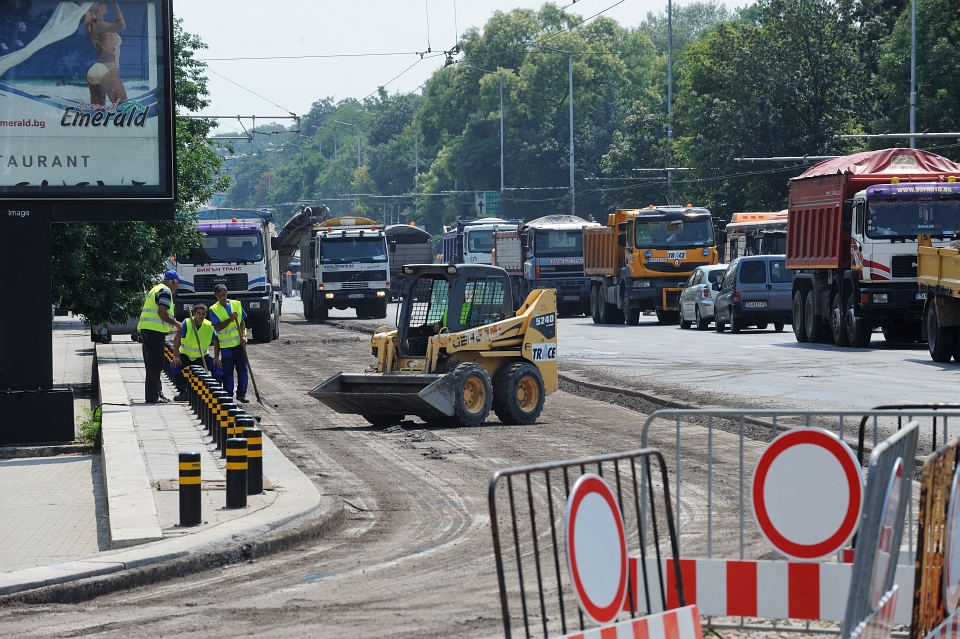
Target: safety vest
{"x": 150, "y": 315}
{"x": 196, "y": 346}
{"x": 229, "y": 336}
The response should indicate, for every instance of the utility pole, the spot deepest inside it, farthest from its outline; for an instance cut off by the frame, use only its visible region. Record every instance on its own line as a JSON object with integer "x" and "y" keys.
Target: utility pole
{"x": 669, "y": 99}
{"x": 573, "y": 194}
{"x": 416, "y": 155}
{"x": 913, "y": 72}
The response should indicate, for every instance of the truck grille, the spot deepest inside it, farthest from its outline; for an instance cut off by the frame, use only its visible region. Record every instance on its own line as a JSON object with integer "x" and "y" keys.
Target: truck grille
{"x": 668, "y": 267}
{"x": 562, "y": 270}
{"x": 378, "y": 275}
{"x": 354, "y": 285}
{"x": 233, "y": 281}
{"x": 904, "y": 266}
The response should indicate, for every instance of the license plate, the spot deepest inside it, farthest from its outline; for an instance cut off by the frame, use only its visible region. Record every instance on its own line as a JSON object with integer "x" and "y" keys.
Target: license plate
{"x": 921, "y": 296}
{"x": 570, "y": 298}
{"x": 754, "y": 304}
{"x": 355, "y": 296}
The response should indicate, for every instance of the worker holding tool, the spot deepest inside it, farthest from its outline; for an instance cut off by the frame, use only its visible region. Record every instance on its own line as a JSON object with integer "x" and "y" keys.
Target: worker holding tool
{"x": 155, "y": 322}
{"x": 228, "y": 319}
{"x": 192, "y": 342}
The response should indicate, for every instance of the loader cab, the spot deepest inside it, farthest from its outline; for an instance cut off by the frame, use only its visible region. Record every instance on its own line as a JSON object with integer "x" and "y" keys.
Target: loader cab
{"x": 451, "y": 298}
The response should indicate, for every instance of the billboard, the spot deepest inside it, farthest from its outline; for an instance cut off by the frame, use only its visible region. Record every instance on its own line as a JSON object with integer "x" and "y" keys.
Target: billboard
{"x": 86, "y": 100}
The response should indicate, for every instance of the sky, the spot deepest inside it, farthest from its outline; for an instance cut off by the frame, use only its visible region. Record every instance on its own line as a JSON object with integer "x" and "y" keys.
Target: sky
{"x": 247, "y": 28}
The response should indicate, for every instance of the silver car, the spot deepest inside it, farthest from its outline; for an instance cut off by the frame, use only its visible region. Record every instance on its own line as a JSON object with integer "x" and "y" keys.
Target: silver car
{"x": 697, "y": 298}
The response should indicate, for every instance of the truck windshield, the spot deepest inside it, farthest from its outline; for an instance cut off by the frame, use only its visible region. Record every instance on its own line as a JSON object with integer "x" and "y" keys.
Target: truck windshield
{"x": 668, "y": 234}
{"x": 225, "y": 248}
{"x": 559, "y": 243}
{"x": 353, "y": 249}
{"x": 905, "y": 219}
{"x": 479, "y": 241}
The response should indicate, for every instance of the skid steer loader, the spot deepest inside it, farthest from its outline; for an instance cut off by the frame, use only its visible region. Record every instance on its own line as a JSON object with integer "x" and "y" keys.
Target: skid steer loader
{"x": 458, "y": 351}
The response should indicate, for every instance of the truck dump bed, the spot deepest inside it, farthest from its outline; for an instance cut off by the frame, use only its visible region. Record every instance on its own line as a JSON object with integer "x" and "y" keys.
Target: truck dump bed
{"x": 938, "y": 270}
{"x": 600, "y": 250}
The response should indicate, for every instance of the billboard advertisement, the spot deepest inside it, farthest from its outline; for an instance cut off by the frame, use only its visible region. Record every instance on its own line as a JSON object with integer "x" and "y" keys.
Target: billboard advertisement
{"x": 85, "y": 100}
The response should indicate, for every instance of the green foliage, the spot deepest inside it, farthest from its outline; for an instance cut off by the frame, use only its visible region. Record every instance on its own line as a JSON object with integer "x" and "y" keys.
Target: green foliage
{"x": 101, "y": 270}
{"x": 88, "y": 425}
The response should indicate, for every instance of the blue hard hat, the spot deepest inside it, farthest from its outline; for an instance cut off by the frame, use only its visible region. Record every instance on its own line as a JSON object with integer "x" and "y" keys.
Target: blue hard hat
{"x": 171, "y": 276}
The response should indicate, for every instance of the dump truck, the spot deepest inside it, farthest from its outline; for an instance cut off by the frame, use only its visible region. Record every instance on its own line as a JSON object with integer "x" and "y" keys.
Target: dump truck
{"x": 754, "y": 234}
{"x": 459, "y": 350}
{"x": 241, "y": 254}
{"x": 852, "y": 238}
{"x": 344, "y": 264}
{"x": 640, "y": 259}
{"x": 938, "y": 276}
{"x": 547, "y": 253}
{"x": 471, "y": 242}
{"x": 408, "y": 244}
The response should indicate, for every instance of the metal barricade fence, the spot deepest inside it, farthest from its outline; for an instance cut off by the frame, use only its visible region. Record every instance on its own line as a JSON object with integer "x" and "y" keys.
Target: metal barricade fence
{"x": 899, "y": 447}
{"x": 530, "y": 510}
{"x": 724, "y": 445}
{"x": 903, "y": 408}
{"x": 935, "y": 494}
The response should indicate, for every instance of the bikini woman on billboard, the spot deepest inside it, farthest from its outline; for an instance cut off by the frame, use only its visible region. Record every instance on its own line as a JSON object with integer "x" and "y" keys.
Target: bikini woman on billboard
{"x": 103, "y": 78}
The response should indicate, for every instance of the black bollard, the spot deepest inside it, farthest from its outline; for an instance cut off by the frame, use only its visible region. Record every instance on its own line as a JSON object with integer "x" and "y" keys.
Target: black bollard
{"x": 236, "y": 473}
{"x": 189, "y": 489}
{"x": 254, "y": 437}
{"x": 224, "y": 424}
{"x": 233, "y": 429}
{"x": 215, "y": 401}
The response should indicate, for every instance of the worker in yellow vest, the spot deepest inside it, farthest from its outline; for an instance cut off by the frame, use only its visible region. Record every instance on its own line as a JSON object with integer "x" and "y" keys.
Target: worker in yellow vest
{"x": 229, "y": 320}
{"x": 155, "y": 322}
{"x": 192, "y": 343}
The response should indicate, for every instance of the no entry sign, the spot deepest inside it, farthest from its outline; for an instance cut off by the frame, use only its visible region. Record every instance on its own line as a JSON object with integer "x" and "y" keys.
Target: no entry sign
{"x": 807, "y": 493}
{"x": 596, "y": 549}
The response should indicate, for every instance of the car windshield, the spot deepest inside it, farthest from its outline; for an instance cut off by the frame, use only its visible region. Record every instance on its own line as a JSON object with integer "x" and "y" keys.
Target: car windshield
{"x": 669, "y": 234}
{"x": 479, "y": 241}
{"x": 220, "y": 249}
{"x": 559, "y": 243}
{"x": 905, "y": 219}
{"x": 353, "y": 249}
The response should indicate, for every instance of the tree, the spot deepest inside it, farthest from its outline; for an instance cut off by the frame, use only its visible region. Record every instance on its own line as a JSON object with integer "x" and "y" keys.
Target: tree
{"x": 100, "y": 270}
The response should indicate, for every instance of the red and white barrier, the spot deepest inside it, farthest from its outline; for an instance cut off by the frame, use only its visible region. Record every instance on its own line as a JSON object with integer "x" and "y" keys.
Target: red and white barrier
{"x": 682, "y": 623}
{"x": 767, "y": 589}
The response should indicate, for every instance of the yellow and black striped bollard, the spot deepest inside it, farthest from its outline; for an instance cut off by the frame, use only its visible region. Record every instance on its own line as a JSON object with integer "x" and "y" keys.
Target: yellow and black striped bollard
{"x": 236, "y": 473}
{"x": 254, "y": 437}
{"x": 225, "y": 425}
{"x": 189, "y": 489}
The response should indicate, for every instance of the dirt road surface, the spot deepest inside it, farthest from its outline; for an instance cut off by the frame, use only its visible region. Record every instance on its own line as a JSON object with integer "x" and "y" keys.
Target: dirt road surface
{"x": 415, "y": 556}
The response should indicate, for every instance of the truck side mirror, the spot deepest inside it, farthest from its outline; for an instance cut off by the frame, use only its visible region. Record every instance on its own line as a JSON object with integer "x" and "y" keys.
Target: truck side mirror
{"x": 622, "y": 239}
{"x": 622, "y": 227}
{"x": 393, "y": 246}
{"x": 846, "y": 220}
{"x": 275, "y": 243}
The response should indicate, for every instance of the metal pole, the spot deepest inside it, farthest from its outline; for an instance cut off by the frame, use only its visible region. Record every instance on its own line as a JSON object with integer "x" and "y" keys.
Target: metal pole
{"x": 913, "y": 72}
{"x": 573, "y": 194}
{"x": 358, "y": 146}
{"x": 416, "y": 155}
{"x": 670, "y": 98}
{"x": 501, "y": 132}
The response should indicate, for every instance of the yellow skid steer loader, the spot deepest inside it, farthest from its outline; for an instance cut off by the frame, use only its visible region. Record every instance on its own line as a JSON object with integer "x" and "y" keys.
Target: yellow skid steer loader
{"x": 458, "y": 351}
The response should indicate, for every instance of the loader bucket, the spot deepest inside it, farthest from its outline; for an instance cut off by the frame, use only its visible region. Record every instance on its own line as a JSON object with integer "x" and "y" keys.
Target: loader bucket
{"x": 388, "y": 394}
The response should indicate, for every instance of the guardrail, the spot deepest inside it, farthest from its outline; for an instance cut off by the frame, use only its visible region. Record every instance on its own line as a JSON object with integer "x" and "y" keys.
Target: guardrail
{"x": 537, "y": 586}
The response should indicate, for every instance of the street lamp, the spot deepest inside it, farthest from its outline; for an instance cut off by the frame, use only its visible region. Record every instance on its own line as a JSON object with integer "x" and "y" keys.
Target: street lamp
{"x": 358, "y": 137}
{"x": 573, "y": 194}
{"x": 464, "y": 64}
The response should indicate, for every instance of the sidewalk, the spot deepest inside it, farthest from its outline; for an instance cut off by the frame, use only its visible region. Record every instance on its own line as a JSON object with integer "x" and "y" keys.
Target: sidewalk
{"x": 74, "y": 516}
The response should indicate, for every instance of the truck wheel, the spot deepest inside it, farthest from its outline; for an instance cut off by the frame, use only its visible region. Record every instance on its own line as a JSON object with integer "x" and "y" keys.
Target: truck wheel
{"x": 261, "y": 331}
{"x": 307, "y": 300}
{"x": 799, "y": 326}
{"x": 518, "y": 393}
{"x": 816, "y": 330}
{"x": 322, "y": 313}
{"x": 633, "y": 316}
{"x": 473, "y": 394}
{"x": 381, "y": 309}
{"x": 836, "y": 322}
{"x": 940, "y": 339}
{"x": 858, "y": 329}
{"x": 383, "y": 420}
{"x": 736, "y": 323}
{"x": 595, "y": 304}
{"x": 587, "y": 309}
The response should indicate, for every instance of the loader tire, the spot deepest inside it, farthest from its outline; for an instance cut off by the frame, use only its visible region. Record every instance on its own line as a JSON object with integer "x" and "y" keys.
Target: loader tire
{"x": 473, "y": 395}
{"x": 518, "y": 393}
{"x": 383, "y": 420}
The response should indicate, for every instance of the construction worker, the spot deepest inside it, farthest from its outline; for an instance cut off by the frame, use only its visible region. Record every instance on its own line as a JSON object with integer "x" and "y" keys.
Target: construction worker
{"x": 192, "y": 342}
{"x": 229, "y": 320}
{"x": 155, "y": 322}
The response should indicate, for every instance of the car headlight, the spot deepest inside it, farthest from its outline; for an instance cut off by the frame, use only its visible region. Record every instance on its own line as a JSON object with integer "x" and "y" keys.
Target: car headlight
{"x": 641, "y": 284}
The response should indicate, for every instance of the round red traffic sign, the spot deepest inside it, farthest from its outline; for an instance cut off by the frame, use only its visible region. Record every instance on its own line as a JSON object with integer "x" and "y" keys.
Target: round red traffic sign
{"x": 951, "y": 568}
{"x": 596, "y": 549}
{"x": 807, "y": 493}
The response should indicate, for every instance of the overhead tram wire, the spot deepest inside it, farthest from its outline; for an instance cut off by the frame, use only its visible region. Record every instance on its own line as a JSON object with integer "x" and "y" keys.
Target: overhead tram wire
{"x": 313, "y": 56}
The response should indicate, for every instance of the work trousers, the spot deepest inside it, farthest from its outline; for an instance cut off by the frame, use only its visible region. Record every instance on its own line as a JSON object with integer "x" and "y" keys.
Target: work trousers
{"x": 185, "y": 362}
{"x": 233, "y": 359}
{"x": 153, "y": 343}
